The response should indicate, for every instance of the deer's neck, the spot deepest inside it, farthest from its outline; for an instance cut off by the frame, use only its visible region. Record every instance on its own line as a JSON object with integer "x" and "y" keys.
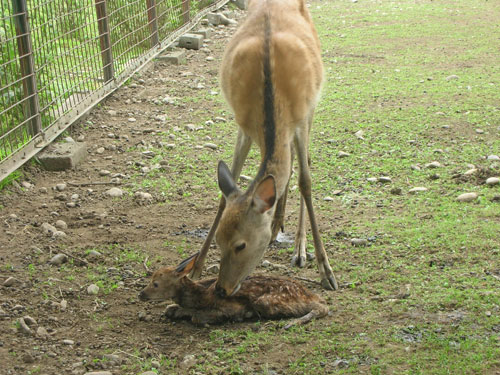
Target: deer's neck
{"x": 191, "y": 295}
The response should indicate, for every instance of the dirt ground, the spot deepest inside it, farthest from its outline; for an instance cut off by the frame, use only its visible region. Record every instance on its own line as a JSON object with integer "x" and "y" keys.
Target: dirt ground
{"x": 74, "y": 332}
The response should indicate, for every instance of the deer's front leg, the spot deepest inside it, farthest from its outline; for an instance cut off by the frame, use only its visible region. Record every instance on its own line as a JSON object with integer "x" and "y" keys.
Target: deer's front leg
{"x": 175, "y": 311}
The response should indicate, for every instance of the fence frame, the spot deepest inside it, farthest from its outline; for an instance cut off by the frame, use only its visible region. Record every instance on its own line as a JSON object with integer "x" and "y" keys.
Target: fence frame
{"x": 45, "y": 137}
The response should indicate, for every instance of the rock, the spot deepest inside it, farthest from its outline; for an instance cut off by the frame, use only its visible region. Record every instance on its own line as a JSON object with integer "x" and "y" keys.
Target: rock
{"x": 493, "y": 157}
{"x": 213, "y": 269}
{"x": 452, "y": 77}
{"x": 61, "y": 187}
{"x": 104, "y": 172}
{"x": 493, "y": 181}
{"x": 61, "y": 224}
{"x": 114, "y": 359}
{"x": 28, "y": 358}
{"x": 470, "y": 172}
{"x": 29, "y": 321}
{"x": 149, "y": 373}
{"x": 99, "y": 373}
{"x": 479, "y": 131}
{"x": 359, "y": 241}
{"x": 188, "y": 362}
{"x": 43, "y": 190}
{"x": 26, "y": 185}
{"x": 143, "y": 196}
{"x": 415, "y": 167}
{"x": 114, "y": 192}
{"x": 359, "y": 134}
{"x": 68, "y": 342}
{"x": 189, "y": 127}
{"x": 372, "y": 179}
{"x": 131, "y": 119}
{"x": 63, "y": 304}
{"x": 384, "y": 179}
{"x": 42, "y": 332}
{"x": 396, "y": 191}
{"x": 112, "y": 112}
{"x": 9, "y": 281}
{"x": 100, "y": 150}
{"x": 434, "y": 164}
{"x": 58, "y": 259}
{"x": 266, "y": 264}
{"x": 467, "y": 197}
{"x": 94, "y": 255}
{"x": 418, "y": 189}
{"x": 93, "y": 289}
{"x": 328, "y": 199}
{"x": 343, "y": 154}
{"x": 210, "y": 145}
{"x": 48, "y": 229}
{"x": 23, "y": 327}
{"x": 60, "y": 234}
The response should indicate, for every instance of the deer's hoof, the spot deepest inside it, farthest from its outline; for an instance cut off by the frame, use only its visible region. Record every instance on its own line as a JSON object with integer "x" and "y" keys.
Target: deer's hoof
{"x": 329, "y": 283}
{"x": 299, "y": 261}
{"x": 310, "y": 256}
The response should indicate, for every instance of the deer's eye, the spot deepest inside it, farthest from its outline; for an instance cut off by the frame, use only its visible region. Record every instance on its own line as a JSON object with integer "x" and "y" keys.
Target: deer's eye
{"x": 240, "y": 247}
{"x": 155, "y": 284}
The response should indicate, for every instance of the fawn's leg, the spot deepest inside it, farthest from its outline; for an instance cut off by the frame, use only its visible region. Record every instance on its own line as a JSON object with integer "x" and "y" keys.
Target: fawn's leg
{"x": 301, "y": 144}
{"x": 241, "y": 150}
{"x": 313, "y": 314}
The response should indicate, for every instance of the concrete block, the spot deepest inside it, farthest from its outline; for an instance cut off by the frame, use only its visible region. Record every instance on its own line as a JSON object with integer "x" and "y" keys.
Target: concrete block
{"x": 206, "y": 33}
{"x": 62, "y": 156}
{"x": 242, "y": 4}
{"x": 217, "y": 19}
{"x": 191, "y": 41}
{"x": 174, "y": 57}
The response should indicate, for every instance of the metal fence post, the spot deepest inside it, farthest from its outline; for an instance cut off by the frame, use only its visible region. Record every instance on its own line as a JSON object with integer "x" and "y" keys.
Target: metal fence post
{"x": 185, "y": 10}
{"x": 153, "y": 22}
{"x": 27, "y": 64}
{"x": 104, "y": 40}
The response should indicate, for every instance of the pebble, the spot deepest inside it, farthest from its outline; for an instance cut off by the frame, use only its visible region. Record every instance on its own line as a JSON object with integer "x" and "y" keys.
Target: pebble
{"x": 359, "y": 134}
{"x": 343, "y": 154}
{"x": 470, "y": 171}
{"x": 61, "y": 187}
{"x": 396, "y": 191}
{"x": 93, "y": 255}
{"x": 493, "y": 181}
{"x": 189, "y": 127}
{"x": 9, "y": 281}
{"x": 209, "y": 58}
{"x": 209, "y": 122}
{"x": 493, "y": 157}
{"x": 58, "y": 259}
{"x": 434, "y": 164}
{"x": 467, "y": 197}
{"x": 100, "y": 150}
{"x": 149, "y": 373}
{"x": 132, "y": 119}
{"x": 418, "y": 189}
{"x": 328, "y": 199}
{"x": 26, "y": 185}
{"x": 188, "y": 362}
{"x": 384, "y": 179}
{"x": 61, "y": 224}
{"x": 68, "y": 342}
{"x": 28, "y": 358}
{"x": 114, "y": 192}
{"x": 359, "y": 241}
{"x": 170, "y": 146}
{"x": 479, "y": 131}
{"x": 23, "y": 327}
{"x": 63, "y": 304}
{"x": 112, "y": 112}
{"x": 212, "y": 146}
{"x": 59, "y": 233}
{"x": 372, "y": 179}
{"x": 143, "y": 196}
{"x": 452, "y": 77}
{"x": 29, "y": 321}
{"x": 42, "y": 332}
{"x": 93, "y": 289}
{"x": 43, "y": 190}
{"x": 104, "y": 172}
{"x": 80, "y": 138}
{"x": 99, "y": 373}
{"x": 415, "y": 167}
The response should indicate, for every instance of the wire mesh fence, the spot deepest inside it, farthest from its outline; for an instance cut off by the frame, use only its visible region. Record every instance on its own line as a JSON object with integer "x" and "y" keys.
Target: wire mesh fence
{"x": 60, "y": 57}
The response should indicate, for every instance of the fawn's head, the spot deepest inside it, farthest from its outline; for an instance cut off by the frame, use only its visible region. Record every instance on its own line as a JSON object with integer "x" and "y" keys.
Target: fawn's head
{"x": 166, "y": 281}
{"x": 244, "y": 229}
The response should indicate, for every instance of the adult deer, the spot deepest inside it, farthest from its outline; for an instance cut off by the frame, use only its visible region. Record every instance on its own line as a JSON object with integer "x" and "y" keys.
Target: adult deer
{"x": 271, "y": 76}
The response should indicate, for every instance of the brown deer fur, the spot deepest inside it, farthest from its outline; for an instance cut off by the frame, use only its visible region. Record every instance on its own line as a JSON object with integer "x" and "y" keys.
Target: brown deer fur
{"x": 271, "y": 76}
{"x": 260, "y": 296}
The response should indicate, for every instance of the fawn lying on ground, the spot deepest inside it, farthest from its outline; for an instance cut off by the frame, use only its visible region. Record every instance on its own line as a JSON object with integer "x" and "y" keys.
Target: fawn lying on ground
{"x": 268, "y": 297}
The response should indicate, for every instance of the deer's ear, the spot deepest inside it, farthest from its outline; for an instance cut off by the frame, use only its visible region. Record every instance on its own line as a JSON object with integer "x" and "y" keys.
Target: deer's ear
{"x": 187, "y": 265}
{"x": 265, "y": 194}
{"x": 225, "y": 179}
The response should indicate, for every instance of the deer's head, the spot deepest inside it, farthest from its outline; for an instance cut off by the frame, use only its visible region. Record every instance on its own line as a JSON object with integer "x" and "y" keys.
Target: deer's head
{"x": 166, "y": 281}
{"x": 244, "y": 229}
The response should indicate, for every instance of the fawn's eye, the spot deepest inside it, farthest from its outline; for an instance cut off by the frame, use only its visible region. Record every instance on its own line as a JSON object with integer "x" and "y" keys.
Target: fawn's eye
{"x": 155, "y": 285}
{"x": 240, "y": 247}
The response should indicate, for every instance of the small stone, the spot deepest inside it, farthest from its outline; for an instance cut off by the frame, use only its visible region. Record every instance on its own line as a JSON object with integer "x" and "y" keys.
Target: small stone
{"x": 396, "y": 191}
{"x": 372, "y": 179}
{"x": 61, "y": 187}
{"x": 488, "y": 313}
{"x": 434, "y": 176}
{"x": 131, "y": 119}
{"x": 209, "y": 58}
{"x": 359, "y": 134}
{"x": 493, "y": 157}
{"x": 80, "y": 138}
{"x": 470, "y": 172}
{"x": 23, "y": 327}
{"x": 29, "y": 321}
{"x": 98, "y": 373}
{"x": 42, "y": 332}
{"x": 266, "y": 264}
{"x": 211, "y": 146}
{"x": 112, "y": 112}
{"x": 493, "y": 181}
{"x": 479, "y": 131}
{"x": 188, "y": 362}
{"x": 61, "y": 224}
{"x": 93, "y": 289}
{"x": 418, "y": 189}
{"x": 58, "y": 259}
{"x": 68, "y": 342}
{"x": 359, "y": 241}
{"x": 189, "y": 127}
{"x": 343, "y": 154}
{"x": 104, "y": 172}
{"x": 63, "y": 304}
{"x": 100, "y": 150}
{"x": 434, "y": 164}
{"x": 384, "y": 179}
{"x": 28, "y": 358}
{"x": 9, "y": 281}
{"x": 26, "y": 185}
{"x": 220, "y": 119}
{"x": 452, "y": 77}
{"x": 94, "y": 255}
{"x": 43, "y": 190}
{"x": 328, "y": 199}
{"x": 415, "y": 167}
{"x": 149, "y": 372}
{"x": 467, "y": 197}
{"x": 114, "y": 192}
{"x": 59, "y": 233}
{"x": 143, "y": 196}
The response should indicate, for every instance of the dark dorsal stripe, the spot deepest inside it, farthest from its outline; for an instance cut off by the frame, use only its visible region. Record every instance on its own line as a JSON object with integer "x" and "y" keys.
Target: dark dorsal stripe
{"x": 269, "y": 121}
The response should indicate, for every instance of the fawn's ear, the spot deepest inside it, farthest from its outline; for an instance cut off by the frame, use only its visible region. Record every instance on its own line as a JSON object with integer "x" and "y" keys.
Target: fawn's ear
{"x": 265, "y": 194}
{"x": 187, "y": 265}
{"x": 225, "y": 179}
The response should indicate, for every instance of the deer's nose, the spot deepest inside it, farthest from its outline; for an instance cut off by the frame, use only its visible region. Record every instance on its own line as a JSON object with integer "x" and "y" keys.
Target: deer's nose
{"x": 220, "y": 292}
{"x": 142, "y": 296}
